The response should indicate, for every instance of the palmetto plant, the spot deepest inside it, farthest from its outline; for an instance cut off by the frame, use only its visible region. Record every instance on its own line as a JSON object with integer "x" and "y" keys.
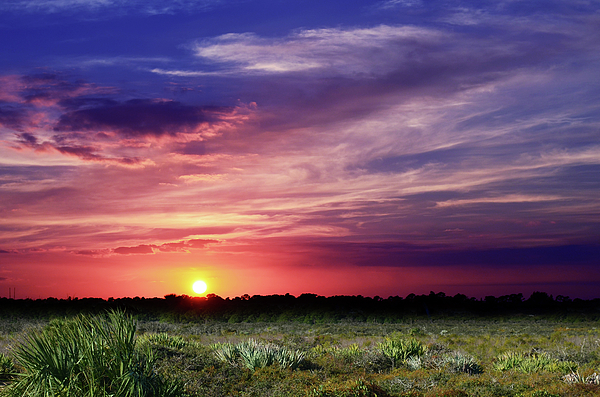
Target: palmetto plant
{"x": 400, "y": 350}
{"x": 163, "y": 340}
{"x": 575, "y": 377}
{"x": 253, "y": 354}
{"x": 460, "y": 362}
{"x": 84, "y": 357}
{"x": 7, "y": 368}
{"x": 530, "y": 363}
{"x": 226, "y": 352}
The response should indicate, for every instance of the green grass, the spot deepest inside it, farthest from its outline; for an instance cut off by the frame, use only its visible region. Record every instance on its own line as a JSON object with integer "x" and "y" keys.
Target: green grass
{"x": 520, "y": 357}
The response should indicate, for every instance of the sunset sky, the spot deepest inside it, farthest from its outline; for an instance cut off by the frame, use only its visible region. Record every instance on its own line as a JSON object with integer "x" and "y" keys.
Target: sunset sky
{"x": 269, "y": 147}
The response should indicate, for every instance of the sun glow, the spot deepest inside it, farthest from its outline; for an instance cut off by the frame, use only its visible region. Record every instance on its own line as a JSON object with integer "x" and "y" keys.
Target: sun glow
{"x": 199, "y": 287}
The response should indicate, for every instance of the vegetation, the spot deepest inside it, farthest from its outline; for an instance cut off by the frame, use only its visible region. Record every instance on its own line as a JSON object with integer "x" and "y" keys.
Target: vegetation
{"x": 308, "y": 308}
{"x": 443, "y": 354}
{"x": 87, "y": 356}
{"x": 253, "y": 355}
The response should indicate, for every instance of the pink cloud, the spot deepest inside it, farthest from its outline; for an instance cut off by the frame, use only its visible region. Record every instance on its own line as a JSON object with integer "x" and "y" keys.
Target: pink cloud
{"x": 140, "y": 249}
{"x": 200, "y": 243}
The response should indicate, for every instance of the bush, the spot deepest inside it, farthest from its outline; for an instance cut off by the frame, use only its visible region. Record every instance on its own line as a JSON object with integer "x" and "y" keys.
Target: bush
{"x": 398, "y": 351}
{"x": 253, "y": 355}
{"x": 162, "y": 340}
{"x": 575, "y": 377}
{"x": 87, "y": 356}
{"x": 532, "y": 363}
{"x": 7, "y": 368}
{"x": 459, "y": 362}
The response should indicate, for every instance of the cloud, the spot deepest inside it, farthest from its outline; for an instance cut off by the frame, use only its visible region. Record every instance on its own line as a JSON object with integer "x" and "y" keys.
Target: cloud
{"x": 87, "y": 153}
{"x": 403, "y": 53}
{"x": 93, "y": 253}
{"x": 182, "y": 73}
{"x": 106, "y": 8}
{"x": 347, "y": 52}
{"x": 340, "y": 74}
{"x": 512, "y": 198}
{"x": 139, "y": 117}
{"x": 180, "y": 246}
{"x": 11, "y": 116}
{"x": 29, "y": 102}
{"x": 47, "y": 88}
{"x": 383, "y": 145}
{"x": 390, "y": 4}
{"x": 140, "y": 249}
{"x": 49, "y": 113}
{"x": 201, "y": 243}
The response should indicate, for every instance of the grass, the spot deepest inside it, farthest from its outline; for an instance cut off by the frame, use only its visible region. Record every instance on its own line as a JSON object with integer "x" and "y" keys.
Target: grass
{"x": 519, "y": 357}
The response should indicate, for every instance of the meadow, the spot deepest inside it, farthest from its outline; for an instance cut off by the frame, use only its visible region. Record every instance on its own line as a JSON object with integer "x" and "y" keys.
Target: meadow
{"x": 115, "y": 354}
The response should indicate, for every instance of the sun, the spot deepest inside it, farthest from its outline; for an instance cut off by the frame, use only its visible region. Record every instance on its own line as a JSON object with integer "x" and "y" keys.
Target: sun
{"x": 199, "y": 287}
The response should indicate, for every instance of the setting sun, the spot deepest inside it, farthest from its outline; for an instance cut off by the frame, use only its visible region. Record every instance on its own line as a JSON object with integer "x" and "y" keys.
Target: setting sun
{"x": 199, "y": 287}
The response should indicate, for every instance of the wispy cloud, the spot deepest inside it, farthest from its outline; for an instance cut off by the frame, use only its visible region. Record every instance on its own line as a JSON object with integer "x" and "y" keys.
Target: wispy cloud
{"x": 183, "y": 73}
{"x": 151, "y": 7}
{"x": 349, "y": 52}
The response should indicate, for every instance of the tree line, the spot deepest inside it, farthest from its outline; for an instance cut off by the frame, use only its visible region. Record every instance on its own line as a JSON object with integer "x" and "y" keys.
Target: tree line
{"x": 309, "y": 308}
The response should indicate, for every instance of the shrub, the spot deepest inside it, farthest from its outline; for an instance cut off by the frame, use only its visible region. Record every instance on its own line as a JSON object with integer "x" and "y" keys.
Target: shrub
{"x": 7, "y": 368}
{"x": 87, "y": 356}
{"x": 399, "y": 350}
{"x": 508, "y": 360}
{"x": 574, "y": 377}
{"x": 226, "y": 352}
{"x": 253, "y": 355}
{"x": 162, "y": 340}
{"x": 459, "y": 362}
{"x": 532, "y": 363}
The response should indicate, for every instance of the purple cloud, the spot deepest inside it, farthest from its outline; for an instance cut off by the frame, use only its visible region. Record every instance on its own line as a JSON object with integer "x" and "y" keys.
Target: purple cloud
{"x": 141, "y": 117}
{"x": 12, "y": 116}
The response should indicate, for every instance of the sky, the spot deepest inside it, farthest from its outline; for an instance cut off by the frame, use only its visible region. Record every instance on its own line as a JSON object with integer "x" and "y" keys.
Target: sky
{"x": 375, "y": 148}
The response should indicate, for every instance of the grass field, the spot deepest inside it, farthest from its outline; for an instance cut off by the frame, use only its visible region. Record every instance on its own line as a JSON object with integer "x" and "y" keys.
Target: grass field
{"x": 524, "y": 356}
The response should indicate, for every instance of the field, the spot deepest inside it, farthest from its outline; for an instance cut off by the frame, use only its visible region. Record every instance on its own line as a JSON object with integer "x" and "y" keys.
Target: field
{"x": 529, "y": 356}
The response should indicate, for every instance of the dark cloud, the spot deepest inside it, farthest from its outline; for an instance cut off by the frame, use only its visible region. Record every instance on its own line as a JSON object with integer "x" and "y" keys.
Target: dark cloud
{"x": 181, "y": 246}
{"x": 87, "y": 252}
{"x": 28, "y": 139}
{"x": 62, "y": 145}
{"x": 86, "y": 102}
{"x": 11, "y": 116}
{"x": 50, "y": 86}
{"x": 84, "y": 152}
{"x": 140, "y": 117}
{"x": 400, "y": 254}
{"x": 140, "y": 249}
